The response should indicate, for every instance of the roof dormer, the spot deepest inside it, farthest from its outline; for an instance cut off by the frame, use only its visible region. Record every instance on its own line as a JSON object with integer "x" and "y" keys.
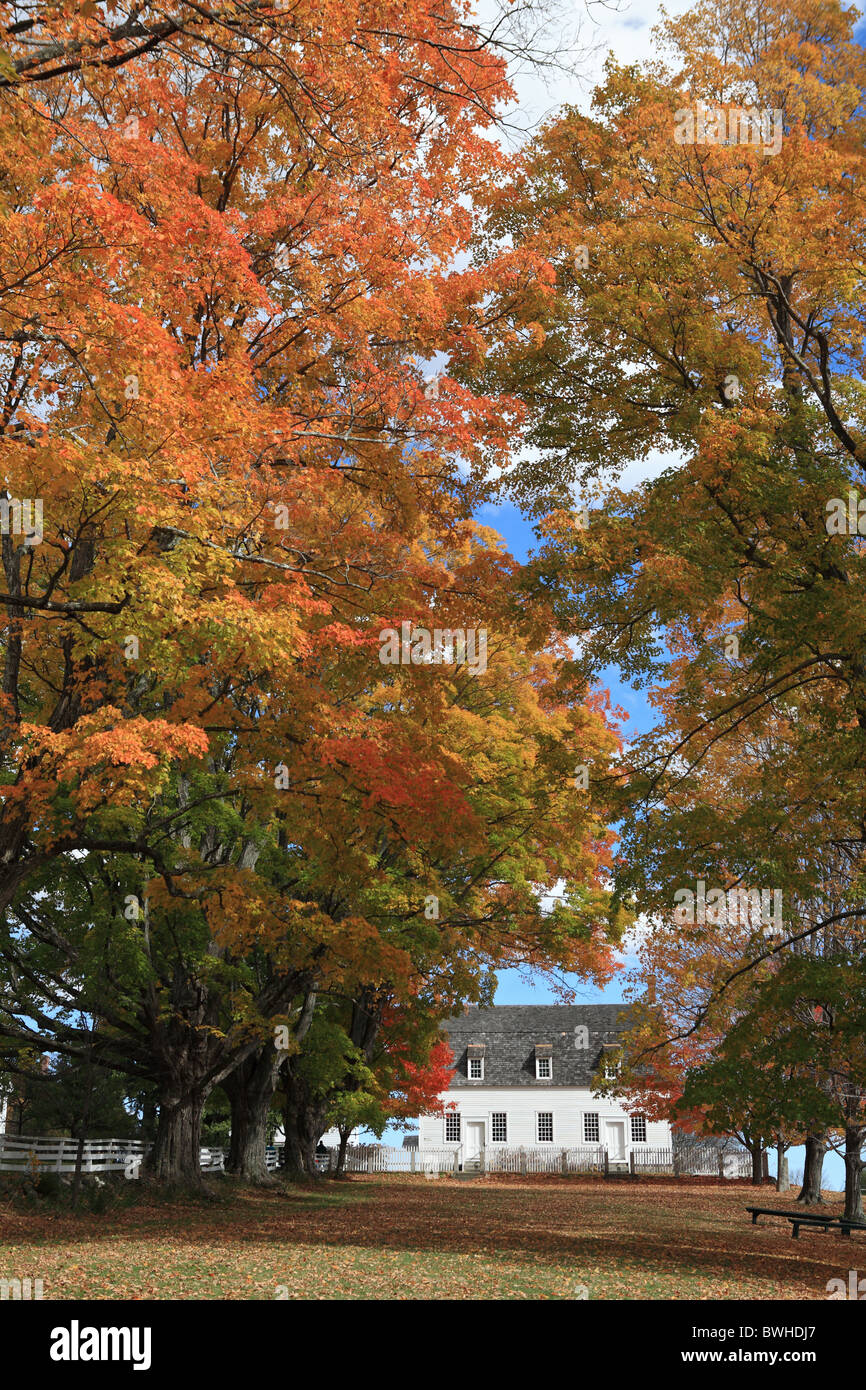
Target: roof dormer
{"x": 544, "y": 1061}
{"x": 475, "y": 1061}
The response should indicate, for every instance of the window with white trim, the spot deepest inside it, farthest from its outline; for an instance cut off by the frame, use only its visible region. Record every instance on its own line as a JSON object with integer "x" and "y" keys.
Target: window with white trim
{"x": 499, "y": 1127}
{"x": 544, "y": 1061}
{"x": 612, "y": 1065}
{"x": 452, "y": 1127}
{"x": 590, "y": 1128}
{"x": 544, "y": 1130}
{"x": 475, "y": 1061}
{"x": 638, "y": 1129}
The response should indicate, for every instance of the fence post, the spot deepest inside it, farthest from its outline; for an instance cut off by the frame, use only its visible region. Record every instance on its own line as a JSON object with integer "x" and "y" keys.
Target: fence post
{"x": 412, "y": 1161}
{"x": 606, "y": 1162}
{"x": 721, "y": 1164}
{"x": 456, "y": 1161}
{"x": 631, "y": 1162}
{"x": 565, "y": 1160}
{"x": 483, "y": 1159}
{"x": 522, "y": 1161}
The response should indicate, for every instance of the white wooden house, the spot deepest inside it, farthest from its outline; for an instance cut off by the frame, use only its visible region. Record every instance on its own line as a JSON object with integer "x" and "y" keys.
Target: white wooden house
{"x": 524, "y": 1075}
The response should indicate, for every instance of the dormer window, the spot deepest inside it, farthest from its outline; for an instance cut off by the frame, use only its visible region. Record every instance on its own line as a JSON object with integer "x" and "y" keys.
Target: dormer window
{"x": 475, "y": 1061}
{"x": 611, "y": 1060}
{"x": 544, "y": 1061}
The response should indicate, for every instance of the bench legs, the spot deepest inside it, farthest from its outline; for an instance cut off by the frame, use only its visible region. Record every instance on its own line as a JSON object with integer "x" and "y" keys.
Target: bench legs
{"x": 816, "y": 1225}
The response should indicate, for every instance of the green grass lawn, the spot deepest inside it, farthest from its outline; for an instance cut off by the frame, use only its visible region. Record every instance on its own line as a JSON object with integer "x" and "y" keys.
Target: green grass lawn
{"x": 399, "y": 1237}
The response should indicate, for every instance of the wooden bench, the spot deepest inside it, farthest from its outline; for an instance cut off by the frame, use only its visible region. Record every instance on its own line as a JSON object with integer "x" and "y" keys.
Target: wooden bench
{"x": 826, "y": 1222}
{"x": 789, "y": 1215}
{"x": 807, "y": 1218}
{"x": 846, "y": 1227}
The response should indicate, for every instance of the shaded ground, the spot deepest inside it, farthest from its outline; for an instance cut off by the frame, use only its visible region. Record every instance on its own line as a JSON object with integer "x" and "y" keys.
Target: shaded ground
{"x": 399, "y": 1237}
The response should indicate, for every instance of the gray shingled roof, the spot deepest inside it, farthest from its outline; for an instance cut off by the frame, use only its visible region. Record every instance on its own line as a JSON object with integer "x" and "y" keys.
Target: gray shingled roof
{"x": 510, "y": 1032}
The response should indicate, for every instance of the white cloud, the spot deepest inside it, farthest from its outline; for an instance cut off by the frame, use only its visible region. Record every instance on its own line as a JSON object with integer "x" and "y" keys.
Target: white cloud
{"x": 580, "y": 35}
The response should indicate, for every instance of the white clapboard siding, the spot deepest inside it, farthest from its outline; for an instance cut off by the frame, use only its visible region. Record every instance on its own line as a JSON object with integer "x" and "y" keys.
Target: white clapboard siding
{"x": 521, "y": 1105}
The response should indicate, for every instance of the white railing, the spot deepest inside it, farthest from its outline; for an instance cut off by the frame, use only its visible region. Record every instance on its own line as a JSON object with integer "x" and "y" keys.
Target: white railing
{"x": 28, "y": 1154}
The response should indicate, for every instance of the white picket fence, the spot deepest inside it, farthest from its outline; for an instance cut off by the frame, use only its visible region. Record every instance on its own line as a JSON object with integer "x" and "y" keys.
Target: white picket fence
{"x": 378, "y": 1158}
{"x": 508, "y": 1159}
{"x": 502, "y": 1158}
{"x": 30, "y": 1155}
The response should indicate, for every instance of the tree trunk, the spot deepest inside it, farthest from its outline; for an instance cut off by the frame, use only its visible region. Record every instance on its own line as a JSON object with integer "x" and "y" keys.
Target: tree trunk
{"x": 345, "y": 1135}
{"x": 176, "y": 1154}
{"x": 304, "y": 1121}
{"x": 853, "y": 1170}
{"x": 305, "y": 1117}
{"x": 756, "y": 1149}
{"x": 296, "y": 1156}
{"x": 82, "y": 1135}
{"x": 781, "y": 1167}
{"x": 149, "y": 1119}
{"x": 250, "y": 1089}
{"x": 187, "y": 1046}
{"x": 303, "y": 1125}
{"x": 810, "y": 1192}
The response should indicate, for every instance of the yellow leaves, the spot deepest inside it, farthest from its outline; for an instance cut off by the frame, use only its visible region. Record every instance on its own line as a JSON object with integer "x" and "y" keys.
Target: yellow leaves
{"x": 7, "y": 67}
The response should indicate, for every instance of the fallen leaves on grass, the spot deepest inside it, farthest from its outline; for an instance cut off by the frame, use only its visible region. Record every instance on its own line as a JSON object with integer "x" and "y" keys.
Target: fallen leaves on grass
{"x": 396, "y": 1238}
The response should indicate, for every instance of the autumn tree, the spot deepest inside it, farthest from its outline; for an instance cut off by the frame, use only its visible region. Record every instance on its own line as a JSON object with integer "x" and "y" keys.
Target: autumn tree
{"x": 225, "y": 260}
{"x": 696, "y": 303}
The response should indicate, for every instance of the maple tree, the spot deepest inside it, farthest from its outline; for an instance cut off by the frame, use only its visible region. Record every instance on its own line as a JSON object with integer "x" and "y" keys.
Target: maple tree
{"x": 697, "y": 300}
{"x": 212, "y": 384}
{"x": 226, "y": 259}
{"x": 668, "y": 269}
{"x": 250, "y": 918}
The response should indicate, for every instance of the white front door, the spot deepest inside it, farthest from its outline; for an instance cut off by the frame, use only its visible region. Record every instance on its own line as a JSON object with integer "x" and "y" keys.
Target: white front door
{"x": 615, "y": 1130}
{"x": 474, "y": 1140}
